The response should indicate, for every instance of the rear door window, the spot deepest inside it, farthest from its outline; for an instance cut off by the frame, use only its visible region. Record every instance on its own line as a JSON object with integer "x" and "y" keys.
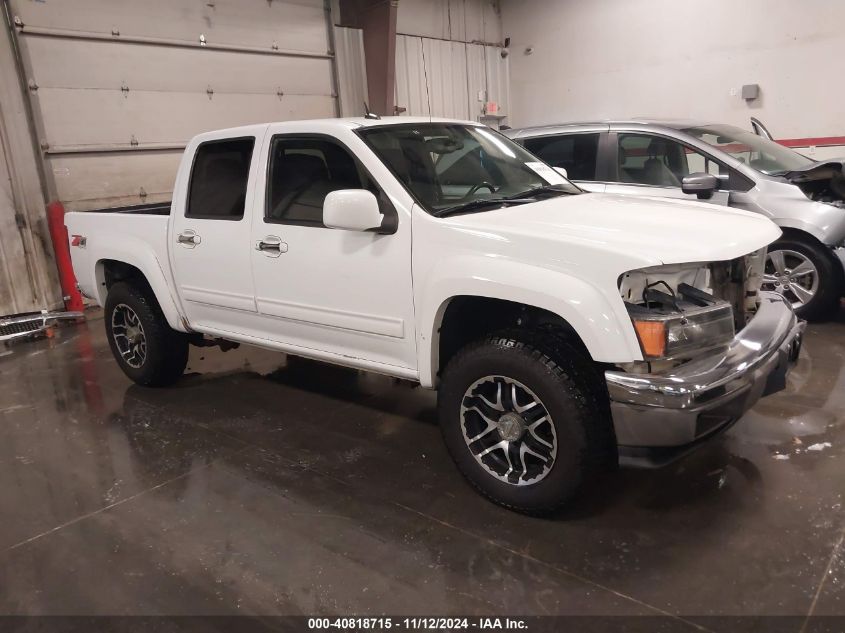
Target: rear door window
{"x": 576, "y": 153}
{"x": 219, "y": 177}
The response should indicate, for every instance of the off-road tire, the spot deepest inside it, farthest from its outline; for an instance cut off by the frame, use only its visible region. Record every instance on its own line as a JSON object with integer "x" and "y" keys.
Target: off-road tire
{"x": 166, "y": 349}
{"x": 568, "y": 386}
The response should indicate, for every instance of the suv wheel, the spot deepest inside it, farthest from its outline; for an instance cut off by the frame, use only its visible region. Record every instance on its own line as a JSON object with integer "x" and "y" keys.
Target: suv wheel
{"x": 524, "y": 421}
{"x": 805, "y": 274}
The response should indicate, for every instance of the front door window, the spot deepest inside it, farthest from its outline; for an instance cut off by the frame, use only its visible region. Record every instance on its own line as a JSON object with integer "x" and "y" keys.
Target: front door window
{"x": 658, "y": 161}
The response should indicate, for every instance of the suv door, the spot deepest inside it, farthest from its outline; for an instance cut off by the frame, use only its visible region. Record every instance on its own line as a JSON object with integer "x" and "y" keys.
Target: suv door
{"x": 330, "y": 291}
{"x": 650, "y": 164}
{"x": 576, "y": 152}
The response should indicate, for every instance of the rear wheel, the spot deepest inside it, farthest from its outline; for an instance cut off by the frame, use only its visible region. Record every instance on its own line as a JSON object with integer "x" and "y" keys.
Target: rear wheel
{"x": 805, "y": 273}
{"x": 148, "y": 351}
{"x": 524, "y": 421}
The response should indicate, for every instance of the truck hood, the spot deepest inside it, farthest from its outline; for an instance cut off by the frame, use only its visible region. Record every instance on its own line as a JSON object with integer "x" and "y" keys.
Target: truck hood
{"x": 823, "y": 181}
{"x": 652, "y": 231}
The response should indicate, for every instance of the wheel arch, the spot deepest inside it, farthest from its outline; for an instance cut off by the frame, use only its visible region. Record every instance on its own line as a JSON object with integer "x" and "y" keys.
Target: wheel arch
{"x": 798, "y": 228}
{"x": 802, "y": 235}
{"x": 108, "y": 271}
{"x": 463, "y": 317}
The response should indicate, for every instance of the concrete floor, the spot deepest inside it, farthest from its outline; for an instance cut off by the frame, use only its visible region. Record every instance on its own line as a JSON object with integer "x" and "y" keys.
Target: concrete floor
{"x": 261, "y": 485}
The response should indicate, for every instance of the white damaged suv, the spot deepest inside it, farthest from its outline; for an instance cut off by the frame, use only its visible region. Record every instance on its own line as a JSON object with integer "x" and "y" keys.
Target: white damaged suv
{"x": 565, "y": 331}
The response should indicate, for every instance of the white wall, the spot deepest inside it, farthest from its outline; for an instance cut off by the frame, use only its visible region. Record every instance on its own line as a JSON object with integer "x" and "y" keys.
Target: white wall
{"x": 680, "y": 59}
{"x": 457, "y": 20}
{"x": 449, "y": 62}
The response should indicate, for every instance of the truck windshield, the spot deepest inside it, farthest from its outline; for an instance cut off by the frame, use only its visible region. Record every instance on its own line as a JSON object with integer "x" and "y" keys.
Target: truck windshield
{"x": 755, "y": 151}
{"x": 452, "y": 167}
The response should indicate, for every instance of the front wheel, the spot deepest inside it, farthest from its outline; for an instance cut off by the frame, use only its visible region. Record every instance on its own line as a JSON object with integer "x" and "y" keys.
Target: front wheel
{"x": 805, "y": 274}
{"x": 148, "y": 351}
{"x": 523, "y": 422}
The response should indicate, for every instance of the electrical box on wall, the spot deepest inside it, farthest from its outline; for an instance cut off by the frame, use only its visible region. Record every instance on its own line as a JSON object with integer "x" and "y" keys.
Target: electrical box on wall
{"x": 750, "y": 91}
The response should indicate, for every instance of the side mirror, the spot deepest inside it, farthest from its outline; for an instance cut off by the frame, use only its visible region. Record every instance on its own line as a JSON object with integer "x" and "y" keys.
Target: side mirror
{"x": 352, "y": 209}
{"x": 701, "y": 184}
{"x": 562, "y": 172}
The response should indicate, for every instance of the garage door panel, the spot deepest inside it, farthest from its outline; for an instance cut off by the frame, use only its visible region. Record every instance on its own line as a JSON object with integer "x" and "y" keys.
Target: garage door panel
{"x": 91, "y": 181}
{"x": 63, "y": 63}
{"x": 96, "y": 117}
{"x": 290, "y": 25}
{"x": 105, "y": 143}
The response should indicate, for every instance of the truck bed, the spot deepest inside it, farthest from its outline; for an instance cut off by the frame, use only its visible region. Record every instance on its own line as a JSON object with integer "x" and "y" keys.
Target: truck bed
{"x": 136, "y": 235}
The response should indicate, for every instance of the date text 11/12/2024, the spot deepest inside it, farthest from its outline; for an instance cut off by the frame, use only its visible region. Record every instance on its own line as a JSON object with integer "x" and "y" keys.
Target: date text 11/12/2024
{"x": 417, "y": 624}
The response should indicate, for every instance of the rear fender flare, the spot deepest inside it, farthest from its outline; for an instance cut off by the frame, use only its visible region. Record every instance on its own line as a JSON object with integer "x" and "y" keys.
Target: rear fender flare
{"x": 139, "y": 256}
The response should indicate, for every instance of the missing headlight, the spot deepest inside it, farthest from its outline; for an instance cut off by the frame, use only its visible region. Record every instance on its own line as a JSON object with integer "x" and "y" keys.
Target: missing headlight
{"x": 682, "y": 324}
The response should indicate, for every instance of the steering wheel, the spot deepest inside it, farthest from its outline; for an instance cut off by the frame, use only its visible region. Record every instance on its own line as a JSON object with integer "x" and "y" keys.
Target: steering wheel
{"x": 480, "y": 185}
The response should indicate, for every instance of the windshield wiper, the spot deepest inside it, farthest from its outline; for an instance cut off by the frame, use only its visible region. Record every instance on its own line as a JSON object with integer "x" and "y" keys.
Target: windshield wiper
{"x": 537, "y": 191}
{"x": 522, "y": 197}
{"x": 472, "y": 205}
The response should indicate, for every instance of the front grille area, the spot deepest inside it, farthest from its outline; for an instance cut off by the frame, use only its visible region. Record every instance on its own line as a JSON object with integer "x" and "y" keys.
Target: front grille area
{"x": 17, "y": 328}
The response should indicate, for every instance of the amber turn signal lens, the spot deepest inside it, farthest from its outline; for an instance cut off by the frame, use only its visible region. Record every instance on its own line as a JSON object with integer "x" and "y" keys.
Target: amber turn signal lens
{"x": 652, "y": 335}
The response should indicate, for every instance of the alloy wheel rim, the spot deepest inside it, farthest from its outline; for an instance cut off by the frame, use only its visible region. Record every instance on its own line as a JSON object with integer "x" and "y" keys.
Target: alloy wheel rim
{"x": 791, "y": 274}
{"x": 128, "y": 335}
{"x": 508, "y": 430}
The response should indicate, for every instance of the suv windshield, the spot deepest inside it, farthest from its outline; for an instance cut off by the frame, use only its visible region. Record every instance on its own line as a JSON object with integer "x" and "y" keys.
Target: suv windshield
{"x": 450, "y": 167}
{"x": 755, "y": 151}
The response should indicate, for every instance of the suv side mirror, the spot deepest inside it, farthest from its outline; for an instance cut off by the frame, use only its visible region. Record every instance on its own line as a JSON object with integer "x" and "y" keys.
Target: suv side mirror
{"x": 353, "y": 210}
{"x": 701, "y": 184}
{"x": 562, "y": 171}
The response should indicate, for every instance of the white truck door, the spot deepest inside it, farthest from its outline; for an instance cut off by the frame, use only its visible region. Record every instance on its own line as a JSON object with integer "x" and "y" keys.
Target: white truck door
{"x": 210, "y": 233}
{"x": 329, "y": 292}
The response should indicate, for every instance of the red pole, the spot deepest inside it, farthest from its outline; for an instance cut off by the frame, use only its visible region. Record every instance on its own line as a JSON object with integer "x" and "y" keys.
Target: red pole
{"x": 61, "y": 247}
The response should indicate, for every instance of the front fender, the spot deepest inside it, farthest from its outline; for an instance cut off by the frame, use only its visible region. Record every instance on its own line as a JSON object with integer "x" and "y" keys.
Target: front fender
{"x": 828, "y": 228}
{"x": 598, "y": 318}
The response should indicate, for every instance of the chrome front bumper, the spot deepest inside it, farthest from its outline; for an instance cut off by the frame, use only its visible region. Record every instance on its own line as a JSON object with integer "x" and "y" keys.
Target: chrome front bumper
{"x": 658, "y": 417}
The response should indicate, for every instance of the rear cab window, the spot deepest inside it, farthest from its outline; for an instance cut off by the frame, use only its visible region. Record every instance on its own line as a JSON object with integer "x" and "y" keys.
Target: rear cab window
{"x": 219, "y": 177}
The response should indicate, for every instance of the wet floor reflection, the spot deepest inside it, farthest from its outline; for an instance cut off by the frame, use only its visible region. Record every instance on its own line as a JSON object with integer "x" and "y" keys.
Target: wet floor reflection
{"x": 264, "y": 484}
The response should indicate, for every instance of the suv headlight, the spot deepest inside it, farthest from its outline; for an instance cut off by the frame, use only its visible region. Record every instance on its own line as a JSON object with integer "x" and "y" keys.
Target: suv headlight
{"x": 682, "y": 333}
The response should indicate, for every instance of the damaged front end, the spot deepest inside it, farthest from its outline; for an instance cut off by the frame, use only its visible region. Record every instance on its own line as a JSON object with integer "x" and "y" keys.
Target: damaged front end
{"x": 681, "y": 311}
{"x": 820, "y": 182}
{"x": 713, "y": 344}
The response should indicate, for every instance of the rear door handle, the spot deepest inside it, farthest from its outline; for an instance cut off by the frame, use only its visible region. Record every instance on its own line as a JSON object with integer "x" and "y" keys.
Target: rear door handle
{"x": 188, "y": 238}
{"x": 271, "y": 246}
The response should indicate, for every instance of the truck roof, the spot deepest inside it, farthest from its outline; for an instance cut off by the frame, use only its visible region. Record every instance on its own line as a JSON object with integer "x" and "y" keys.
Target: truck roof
{"x": 346, "y": 122}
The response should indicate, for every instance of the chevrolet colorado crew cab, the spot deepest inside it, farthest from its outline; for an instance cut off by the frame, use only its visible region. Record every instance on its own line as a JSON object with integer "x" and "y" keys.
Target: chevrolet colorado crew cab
{"x": 565, "y": 331}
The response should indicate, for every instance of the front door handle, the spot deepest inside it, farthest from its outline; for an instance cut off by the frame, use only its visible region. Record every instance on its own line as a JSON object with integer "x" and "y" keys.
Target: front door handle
{"x": 272, "y": 246}
{"x": 188, "y": 238}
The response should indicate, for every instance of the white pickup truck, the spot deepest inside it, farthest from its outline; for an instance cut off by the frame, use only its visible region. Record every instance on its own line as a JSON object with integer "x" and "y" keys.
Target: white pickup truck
{"x": 565, "y": 331}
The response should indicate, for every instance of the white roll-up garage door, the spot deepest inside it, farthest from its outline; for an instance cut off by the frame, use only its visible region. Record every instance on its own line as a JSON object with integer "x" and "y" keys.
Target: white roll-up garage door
{"x": 119, "y": 86}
